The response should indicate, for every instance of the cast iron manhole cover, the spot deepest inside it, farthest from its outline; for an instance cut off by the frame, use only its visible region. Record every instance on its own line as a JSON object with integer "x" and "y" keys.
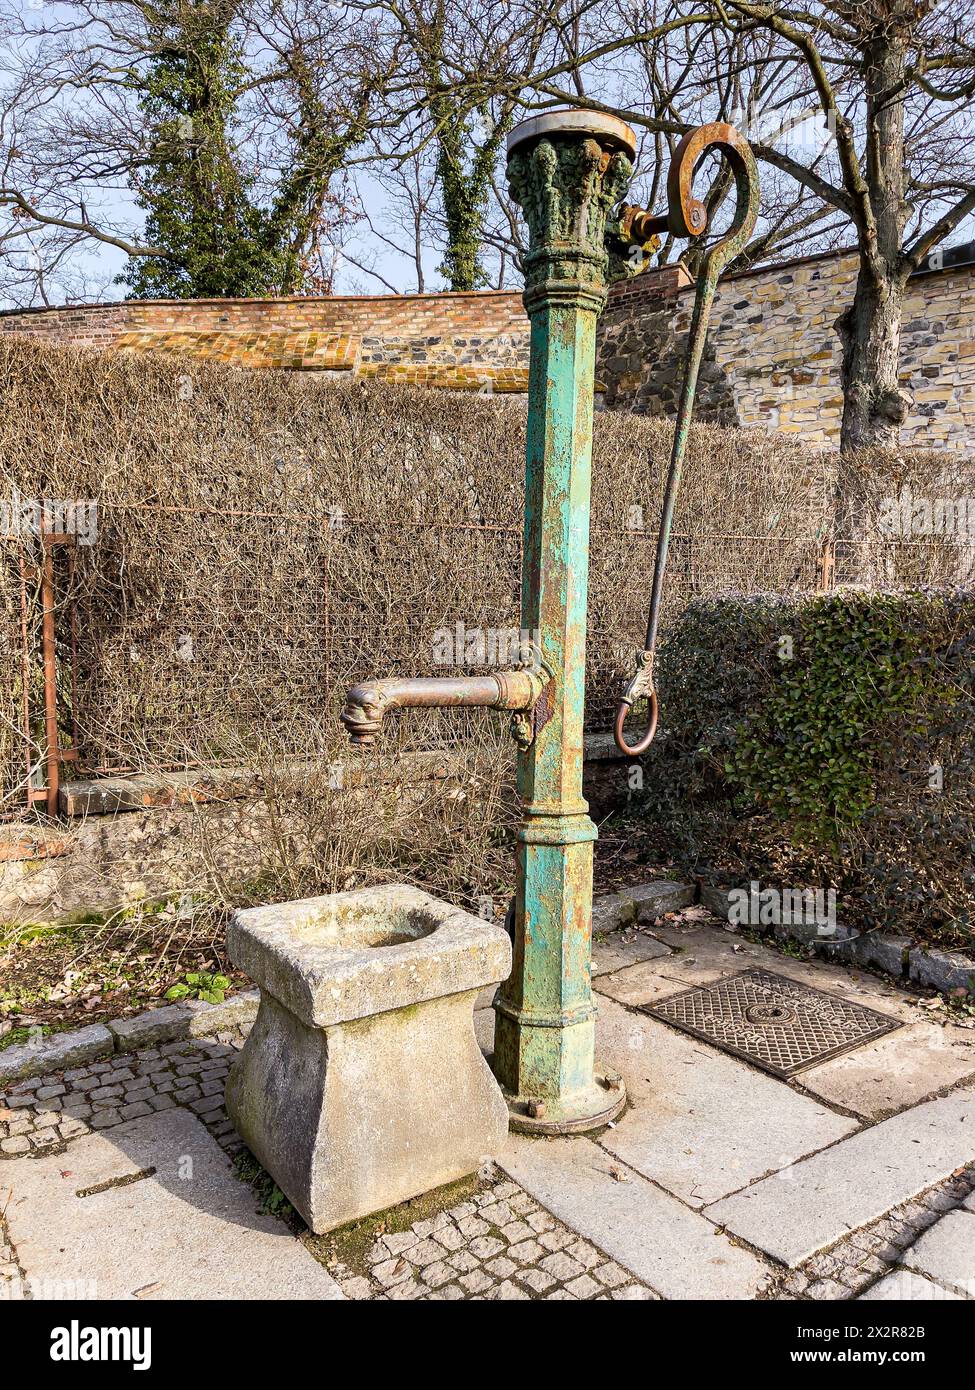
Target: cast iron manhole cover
{"x": 775, "y": 1023}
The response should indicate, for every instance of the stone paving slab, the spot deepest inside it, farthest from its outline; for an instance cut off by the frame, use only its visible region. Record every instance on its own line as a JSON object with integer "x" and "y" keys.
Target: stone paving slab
{"x": 821, "y": 1198}
{"x": 896, "y": 1071}
{"x": 946, "y": 1253}
{"x": 904, "y": 1287}
{"x": 703, "y": 954}
{"x": 152, "y": 1209}
{"x": 700, "y": 1123}
{"x": 623, "y": 949}
{"x": 675, "y": 1251}
{"x": 639, "y": 984}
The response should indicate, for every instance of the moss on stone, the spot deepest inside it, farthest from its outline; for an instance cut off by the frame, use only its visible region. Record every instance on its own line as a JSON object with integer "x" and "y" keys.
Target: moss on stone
{"x": 350, "y": 1245}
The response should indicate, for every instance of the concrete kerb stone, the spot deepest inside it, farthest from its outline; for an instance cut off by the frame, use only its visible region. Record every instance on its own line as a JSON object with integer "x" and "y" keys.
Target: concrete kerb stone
{"x": 644, "y": 903}
{"x": 54, "y": 1054}
{"x": 176, "y": 1022}
{"x": 172, "y": 1023}
{"x": 881, "y": 951}
{"x": 716, "y": 900}
{"x": 884, "y": 952}
{"x": 942, "y": 970}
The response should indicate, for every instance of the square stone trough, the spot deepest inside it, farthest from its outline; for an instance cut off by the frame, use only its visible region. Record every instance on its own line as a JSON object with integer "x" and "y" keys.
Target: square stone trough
{"x": 361, "y": 1083}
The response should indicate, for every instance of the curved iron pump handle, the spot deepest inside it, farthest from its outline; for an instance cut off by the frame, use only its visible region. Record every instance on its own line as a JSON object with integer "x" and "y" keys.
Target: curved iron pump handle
{"x": 686, "y": 216}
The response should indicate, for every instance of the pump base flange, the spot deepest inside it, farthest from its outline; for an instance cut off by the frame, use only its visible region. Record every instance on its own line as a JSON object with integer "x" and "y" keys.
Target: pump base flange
{"x": 577, "y": 1113}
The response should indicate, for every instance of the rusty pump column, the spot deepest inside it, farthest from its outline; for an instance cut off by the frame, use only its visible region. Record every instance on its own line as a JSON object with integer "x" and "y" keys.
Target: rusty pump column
{"x": 567, "y": 170}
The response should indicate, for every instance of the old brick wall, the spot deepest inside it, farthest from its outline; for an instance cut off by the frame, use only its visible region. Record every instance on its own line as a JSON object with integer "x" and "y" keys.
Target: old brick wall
{"x": 464, "y": 341}
{"x": 772, "y": 360}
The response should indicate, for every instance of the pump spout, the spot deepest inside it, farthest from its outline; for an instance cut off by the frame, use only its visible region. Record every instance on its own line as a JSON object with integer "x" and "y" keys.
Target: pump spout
{"x": 366, "y": 705}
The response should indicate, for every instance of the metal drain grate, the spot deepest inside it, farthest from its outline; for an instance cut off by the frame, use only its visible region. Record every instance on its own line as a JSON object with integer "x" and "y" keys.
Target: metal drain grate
{"x": 775, "y": 1023}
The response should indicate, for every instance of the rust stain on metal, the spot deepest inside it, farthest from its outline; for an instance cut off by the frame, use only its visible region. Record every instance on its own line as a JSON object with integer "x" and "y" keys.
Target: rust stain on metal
{"x": 367, "y": 705}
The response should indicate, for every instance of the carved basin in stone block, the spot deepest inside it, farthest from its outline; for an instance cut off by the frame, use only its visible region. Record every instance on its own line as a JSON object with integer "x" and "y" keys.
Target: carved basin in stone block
{"x": 361, "y": 1083}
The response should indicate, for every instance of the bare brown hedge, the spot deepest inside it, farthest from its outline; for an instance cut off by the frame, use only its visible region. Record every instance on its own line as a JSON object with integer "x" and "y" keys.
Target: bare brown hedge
{"x": 264, "y": 539}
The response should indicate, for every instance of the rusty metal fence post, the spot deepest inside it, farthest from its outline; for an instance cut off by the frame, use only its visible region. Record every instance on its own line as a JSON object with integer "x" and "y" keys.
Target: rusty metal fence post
{"x": 826, "y": 565}
{"x": 49, "y": 657}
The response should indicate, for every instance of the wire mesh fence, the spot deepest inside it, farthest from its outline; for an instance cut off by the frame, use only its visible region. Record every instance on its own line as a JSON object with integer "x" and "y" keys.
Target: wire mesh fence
{"x": 263, "y": 622}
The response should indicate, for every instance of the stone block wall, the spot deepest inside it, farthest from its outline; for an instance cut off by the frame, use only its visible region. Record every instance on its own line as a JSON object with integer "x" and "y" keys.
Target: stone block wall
{"x": 123, "y": 840}
{"x": 641, "y": 351}
{"x": 772, "y": 360}
{"x": 773, "y": 355}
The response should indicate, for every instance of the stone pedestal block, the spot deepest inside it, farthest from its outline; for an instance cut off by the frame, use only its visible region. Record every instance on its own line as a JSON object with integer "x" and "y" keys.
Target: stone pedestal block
{"x": 361, "y": 1083}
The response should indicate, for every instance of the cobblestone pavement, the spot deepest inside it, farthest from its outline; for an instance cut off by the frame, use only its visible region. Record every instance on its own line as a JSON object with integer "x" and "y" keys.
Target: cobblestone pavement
{"x": 852, "y": 1265}
{"x": 498, "y": 1244}
{"x": 43, "y": 1111}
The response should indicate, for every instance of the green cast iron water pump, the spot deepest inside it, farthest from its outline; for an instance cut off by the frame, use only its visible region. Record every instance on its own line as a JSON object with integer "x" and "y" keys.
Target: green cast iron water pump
{"x": 568, "y": 170}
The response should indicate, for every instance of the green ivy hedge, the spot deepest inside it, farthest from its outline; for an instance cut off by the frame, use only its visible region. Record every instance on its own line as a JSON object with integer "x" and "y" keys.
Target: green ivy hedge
{"x": 826, "y": 741}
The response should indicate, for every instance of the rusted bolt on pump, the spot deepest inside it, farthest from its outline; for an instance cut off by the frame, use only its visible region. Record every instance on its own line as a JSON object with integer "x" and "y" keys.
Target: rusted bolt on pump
{"x": 568, "y": 170}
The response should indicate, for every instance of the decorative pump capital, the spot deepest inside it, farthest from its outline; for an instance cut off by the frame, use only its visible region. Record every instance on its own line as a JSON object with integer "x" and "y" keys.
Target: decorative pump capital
{"x": 567, "y": 170}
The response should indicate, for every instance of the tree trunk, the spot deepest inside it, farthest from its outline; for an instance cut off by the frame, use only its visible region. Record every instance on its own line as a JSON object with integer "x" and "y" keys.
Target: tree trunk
{"x": 463, "y": 216}
{"x": 873, "y": 410}
{"x": 874, "y": 407}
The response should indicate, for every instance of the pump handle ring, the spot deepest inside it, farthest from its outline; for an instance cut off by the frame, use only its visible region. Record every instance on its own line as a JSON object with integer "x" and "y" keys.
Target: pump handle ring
{"x": 634, "y": 750}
